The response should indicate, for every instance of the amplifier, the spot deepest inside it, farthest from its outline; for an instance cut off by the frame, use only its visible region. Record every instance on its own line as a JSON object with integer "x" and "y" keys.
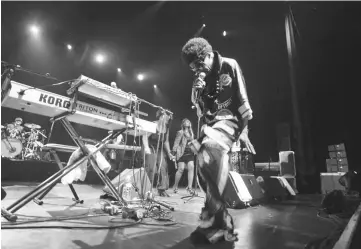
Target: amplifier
{"x": 337, "y": 154}
{"x": 287, "y": 163}
{"x": 330, "y": 182}
{"x": 337, "y": 147}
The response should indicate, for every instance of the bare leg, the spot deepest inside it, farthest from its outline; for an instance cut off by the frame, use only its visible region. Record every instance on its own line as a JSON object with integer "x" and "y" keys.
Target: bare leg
{"x": 190, "y": 168}
{"x": 179, "y": 174}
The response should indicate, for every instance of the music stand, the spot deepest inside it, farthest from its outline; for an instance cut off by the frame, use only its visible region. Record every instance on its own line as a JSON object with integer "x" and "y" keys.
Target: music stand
{"x": 194, "y": 194}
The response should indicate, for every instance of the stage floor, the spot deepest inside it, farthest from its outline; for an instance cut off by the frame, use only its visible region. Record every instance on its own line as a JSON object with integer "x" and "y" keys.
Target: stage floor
{"x": 290, "y": 224}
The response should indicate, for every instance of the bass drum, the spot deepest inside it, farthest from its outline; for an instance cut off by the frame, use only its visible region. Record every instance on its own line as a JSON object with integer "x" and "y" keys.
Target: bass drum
{"x": 11, "y": 147}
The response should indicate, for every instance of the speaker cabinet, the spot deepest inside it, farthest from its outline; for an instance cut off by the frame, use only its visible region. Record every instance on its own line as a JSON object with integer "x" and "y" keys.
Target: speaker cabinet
{"x": 287, "y": 163}
{"x": 330, "y": 182}
{"x": 242, "y": 190}
{"x": 276, "y": 187}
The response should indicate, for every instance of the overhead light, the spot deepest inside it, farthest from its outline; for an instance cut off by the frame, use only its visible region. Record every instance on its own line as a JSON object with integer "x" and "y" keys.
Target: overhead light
{"x": 99, "y": 58}
{"x": 34, "y": 29}
{"x": 224, "y": 33}
{"x": 119, "y": 70}
{"x": 140, "y": 77}
{"x": 70, "y": 47}
{"x": 155, "y": 86}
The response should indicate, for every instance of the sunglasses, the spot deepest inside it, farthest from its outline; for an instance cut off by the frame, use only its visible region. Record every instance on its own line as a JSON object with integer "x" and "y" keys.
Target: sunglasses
{"x": 197, "y": 64}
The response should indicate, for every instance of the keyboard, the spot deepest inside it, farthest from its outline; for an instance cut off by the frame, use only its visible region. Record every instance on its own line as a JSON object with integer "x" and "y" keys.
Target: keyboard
{"x": 49, "y": 104}
{"x": 71, "y": 149}
{"x": 101, "y": 92}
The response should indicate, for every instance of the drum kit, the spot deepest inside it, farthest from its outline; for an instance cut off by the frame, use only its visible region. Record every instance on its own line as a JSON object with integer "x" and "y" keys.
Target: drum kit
{"x": 22, "y": 142}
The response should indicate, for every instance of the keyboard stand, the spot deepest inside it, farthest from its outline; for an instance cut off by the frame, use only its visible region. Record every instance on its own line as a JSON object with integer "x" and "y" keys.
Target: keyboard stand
{"x": 52, "y": 180}
{"x": 39, "y": 200}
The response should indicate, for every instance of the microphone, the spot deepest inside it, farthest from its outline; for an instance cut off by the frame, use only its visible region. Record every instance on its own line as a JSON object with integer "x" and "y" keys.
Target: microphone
{"x": 201, "y": 76}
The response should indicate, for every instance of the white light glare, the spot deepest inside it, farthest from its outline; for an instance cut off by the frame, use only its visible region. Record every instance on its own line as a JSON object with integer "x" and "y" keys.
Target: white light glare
{"x": 155, "y": 86}
{"x": 204, "y": 25}
{"x": 224, "y": 33}
{"x": 99, "y": 58}
{"x": 70, "y": 47}
{"x": 35, "y": 30}
{"x": 119, "y": 70}
{"x": 140, "y": 77}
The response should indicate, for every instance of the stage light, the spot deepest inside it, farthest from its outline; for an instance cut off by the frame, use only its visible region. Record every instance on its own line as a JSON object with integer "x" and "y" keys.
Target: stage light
{"x": 113, "y": 84}
{"x": 155, "y": 86}
{"x": 140, "y": 77}
{"x": 99, "y": 58}
{"x": 70, "y": 47}
{"x": 119, "y": 70}
{"x": 34, "y": 29}
{"x": 224, "y": 33}
{"x": 203, "y": 25}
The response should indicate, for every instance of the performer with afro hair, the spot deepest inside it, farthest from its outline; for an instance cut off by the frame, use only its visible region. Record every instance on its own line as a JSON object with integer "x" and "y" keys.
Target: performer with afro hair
{"x": 220, "y": 97}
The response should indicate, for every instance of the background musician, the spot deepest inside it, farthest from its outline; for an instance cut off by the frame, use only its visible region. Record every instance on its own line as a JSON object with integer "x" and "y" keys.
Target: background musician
{"x": 16, "y": 128}
{"x": 184, "y": 154}
{"x": 156, "y": 161}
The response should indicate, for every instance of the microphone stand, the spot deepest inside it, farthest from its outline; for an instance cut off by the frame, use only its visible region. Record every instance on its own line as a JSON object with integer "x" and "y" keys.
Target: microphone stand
{"x": 196, "y": 184}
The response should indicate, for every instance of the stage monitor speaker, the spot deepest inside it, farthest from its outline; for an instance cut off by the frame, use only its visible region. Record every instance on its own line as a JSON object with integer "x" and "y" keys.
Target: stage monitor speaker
{"x": 276, "y": 187}
{"x": 283, "y": 137}
{"x": 138, "y": 178}
{"x": 242, "y": 190}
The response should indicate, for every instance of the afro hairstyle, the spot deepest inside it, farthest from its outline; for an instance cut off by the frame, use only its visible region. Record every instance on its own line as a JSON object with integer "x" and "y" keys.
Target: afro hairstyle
{"x": 195, "y": 48}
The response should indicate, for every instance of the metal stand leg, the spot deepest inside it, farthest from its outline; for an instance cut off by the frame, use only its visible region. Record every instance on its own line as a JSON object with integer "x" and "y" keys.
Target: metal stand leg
{"x": 39, "y": 199}
{"x": 86, "y": 151}
{"x": 194, "y": 194}
{"x": 53, "y": 179}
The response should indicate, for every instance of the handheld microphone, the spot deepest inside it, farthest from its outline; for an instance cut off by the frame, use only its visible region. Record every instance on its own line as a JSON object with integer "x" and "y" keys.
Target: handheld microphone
{"x": 201, "y": 76}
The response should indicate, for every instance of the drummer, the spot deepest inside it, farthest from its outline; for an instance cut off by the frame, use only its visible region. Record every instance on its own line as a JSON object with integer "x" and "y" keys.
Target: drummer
{"x": 15, "y": 129}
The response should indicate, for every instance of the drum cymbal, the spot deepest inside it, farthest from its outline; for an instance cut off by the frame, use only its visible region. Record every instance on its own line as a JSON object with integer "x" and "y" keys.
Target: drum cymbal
{"x": 32, "y": 126}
